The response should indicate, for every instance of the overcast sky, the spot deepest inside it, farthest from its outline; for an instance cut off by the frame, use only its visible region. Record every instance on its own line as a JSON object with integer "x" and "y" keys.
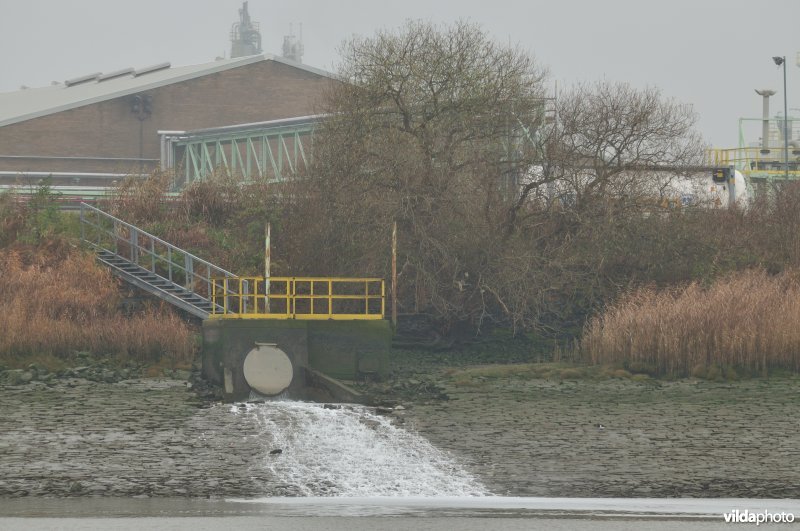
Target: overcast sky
{"x": 709, "y": 53}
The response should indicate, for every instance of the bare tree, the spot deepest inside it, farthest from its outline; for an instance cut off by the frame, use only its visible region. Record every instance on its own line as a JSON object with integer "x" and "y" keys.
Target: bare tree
{"x": 424, "y": 134}
{"x": 448, "y": 133}
{"x": 614, "y": 140}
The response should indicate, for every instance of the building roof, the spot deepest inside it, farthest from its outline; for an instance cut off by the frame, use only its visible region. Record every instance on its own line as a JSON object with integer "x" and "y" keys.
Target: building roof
{"x": 29, "y": 103}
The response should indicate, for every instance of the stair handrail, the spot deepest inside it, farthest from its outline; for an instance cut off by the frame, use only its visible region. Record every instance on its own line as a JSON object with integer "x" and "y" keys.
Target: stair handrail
{"x": 212, "y": 271}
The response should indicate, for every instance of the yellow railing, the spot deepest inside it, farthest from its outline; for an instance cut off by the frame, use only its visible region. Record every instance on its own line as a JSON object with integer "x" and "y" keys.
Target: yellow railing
{"x": 752, "y": 159}
{"x": 298, "y": 298}
{"x": 719, "y": 157}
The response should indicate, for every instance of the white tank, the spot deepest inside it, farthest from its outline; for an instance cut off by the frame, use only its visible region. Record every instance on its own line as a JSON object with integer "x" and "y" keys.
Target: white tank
{"x": 704, "y": 191}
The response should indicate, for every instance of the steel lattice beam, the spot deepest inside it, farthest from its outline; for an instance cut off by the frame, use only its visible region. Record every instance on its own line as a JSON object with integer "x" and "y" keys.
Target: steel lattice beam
{"x": 266, "y": 151}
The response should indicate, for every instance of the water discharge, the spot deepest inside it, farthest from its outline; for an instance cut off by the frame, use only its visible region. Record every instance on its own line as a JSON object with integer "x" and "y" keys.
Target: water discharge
{"x": 350, "y": 451}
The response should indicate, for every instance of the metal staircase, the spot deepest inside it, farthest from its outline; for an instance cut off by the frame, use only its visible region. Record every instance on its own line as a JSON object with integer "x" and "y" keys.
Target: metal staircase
{"x": 151, "y": 264}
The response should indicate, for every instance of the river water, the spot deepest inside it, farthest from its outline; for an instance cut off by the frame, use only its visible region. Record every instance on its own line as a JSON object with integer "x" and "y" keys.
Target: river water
{"x": 145, "y": 453}
{"x": 379, "y": 513}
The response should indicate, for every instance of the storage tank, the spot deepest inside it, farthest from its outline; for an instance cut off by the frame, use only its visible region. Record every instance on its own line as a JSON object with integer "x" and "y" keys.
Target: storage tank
{"x": 704, "y": 191}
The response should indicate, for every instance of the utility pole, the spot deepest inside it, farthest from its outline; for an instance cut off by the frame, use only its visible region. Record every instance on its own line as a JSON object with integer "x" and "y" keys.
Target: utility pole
{"x": 267, "y": 259}
{"x": 394, "y": 276}
{"x": 782, "y": 61}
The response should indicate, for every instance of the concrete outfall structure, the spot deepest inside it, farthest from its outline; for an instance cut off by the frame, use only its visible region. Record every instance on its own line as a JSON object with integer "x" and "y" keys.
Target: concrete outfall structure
{"x": 322, "y": 354}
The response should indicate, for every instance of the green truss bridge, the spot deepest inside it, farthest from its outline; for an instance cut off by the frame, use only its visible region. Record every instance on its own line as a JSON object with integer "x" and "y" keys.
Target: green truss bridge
{"x": 264, "y": 151}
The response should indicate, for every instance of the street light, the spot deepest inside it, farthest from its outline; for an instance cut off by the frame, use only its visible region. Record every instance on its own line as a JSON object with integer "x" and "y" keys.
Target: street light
{"x": 782, "y": 61}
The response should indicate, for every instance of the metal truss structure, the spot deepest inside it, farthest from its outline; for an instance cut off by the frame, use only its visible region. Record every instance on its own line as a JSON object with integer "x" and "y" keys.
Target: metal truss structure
{"x": 264, "y": 151}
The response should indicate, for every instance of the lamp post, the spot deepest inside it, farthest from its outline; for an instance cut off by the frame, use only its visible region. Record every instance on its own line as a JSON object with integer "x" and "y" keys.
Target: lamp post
{"x": 782, "y": 61}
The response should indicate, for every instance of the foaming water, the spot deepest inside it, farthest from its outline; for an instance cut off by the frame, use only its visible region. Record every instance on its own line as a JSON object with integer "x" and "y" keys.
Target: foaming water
{"x": 351, "y": 451}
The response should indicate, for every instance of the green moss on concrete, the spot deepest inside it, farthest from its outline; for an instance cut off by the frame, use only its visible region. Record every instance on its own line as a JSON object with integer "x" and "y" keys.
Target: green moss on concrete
{"x": 226, "y": 343}
{"x": 350, "y": 350}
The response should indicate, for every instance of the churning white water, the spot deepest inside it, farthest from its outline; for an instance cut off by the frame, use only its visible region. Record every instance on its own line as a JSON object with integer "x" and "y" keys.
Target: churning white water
{"x": 351, "y": 451}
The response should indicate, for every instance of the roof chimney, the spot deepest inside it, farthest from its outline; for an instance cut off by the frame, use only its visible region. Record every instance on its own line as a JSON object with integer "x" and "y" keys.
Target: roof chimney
{"x": 293, "y": 46}
{"x": 245, "y": 35}
{"x": 765, "y": 93}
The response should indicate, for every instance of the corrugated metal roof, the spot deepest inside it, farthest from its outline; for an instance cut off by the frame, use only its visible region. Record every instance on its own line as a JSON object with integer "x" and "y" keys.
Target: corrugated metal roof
{"x": 31, "y": 103}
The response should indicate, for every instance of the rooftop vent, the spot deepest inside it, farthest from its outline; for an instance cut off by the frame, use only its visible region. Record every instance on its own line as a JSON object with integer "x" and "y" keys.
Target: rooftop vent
{"x": 151, "y": 69}
{"x": 293, "y": 46}
{"x": 117, "y": 73}
{"x": 82, "y": 79}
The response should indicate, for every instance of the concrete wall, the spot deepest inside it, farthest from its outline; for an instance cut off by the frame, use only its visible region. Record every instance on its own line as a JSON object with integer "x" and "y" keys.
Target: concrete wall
{"x": 347, "y": 350}
{"x": 226, "y": 343}
{"x": 266, "y": 90}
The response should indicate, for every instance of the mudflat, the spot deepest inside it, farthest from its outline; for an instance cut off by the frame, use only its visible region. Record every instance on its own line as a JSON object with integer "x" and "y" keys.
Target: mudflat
{"x": 622, "y": 438}
{"x": 520, "y": 437}
{"x": 146, "y": 437}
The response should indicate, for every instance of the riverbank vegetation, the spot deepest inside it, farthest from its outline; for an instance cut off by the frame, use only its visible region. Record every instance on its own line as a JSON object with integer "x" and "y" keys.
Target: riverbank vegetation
{"x": 58, "y": 304}
{"x": 531, "y": 213}
{"x": 747, "y": 321}
{"x": 504, "y": 218}
{"x": 515, "y": 211}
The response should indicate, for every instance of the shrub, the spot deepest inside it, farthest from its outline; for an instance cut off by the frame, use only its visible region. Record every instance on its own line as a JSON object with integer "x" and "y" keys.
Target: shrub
{"x": 59, "y": 303}
{"x": 746, "y": 320}
{"x": 33, "y": 221}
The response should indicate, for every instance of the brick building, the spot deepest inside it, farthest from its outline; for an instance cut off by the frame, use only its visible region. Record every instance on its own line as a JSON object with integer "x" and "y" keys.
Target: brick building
{"x": 109, "y": 124}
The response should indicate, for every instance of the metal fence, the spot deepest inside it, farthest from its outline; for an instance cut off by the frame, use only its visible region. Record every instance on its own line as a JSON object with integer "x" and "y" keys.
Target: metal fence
{"x": 299, "y": 298}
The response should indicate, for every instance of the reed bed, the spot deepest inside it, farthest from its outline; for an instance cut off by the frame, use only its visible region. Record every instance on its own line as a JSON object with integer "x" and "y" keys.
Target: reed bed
{"x": 60, "y": 306}
{"x": 749, "y": 321}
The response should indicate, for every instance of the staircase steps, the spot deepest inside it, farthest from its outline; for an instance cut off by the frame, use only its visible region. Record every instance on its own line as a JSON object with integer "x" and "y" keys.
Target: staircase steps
{"x": 104, "y": 232}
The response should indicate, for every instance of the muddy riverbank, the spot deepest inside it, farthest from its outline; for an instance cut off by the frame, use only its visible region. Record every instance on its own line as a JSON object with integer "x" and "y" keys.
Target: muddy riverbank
{"x": 521, "y": 437}
{"x": 144, "y": 437}
{"x": 623, "y": 438}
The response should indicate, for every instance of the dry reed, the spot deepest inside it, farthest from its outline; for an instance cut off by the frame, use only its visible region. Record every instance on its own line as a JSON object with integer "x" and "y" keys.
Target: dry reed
{"x": 71, "y": 304}
{"x": 748, "y": 320}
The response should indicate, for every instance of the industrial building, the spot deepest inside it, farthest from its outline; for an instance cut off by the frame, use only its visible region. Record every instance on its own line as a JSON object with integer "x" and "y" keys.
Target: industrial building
{"x": 88, "y": 132}
{"x": 103, "y": 124}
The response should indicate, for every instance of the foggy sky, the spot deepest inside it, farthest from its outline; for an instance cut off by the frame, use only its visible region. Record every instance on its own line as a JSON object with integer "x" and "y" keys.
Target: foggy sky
{"x": 708, "y": 53}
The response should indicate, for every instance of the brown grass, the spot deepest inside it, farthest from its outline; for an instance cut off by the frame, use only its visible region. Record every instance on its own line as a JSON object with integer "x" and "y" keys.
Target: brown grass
{"x": 748, "y": 320}
{"x": 57, "y": 306}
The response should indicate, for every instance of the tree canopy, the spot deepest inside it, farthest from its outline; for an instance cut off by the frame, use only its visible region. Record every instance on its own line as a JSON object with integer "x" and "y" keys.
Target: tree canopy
{"x": 457, "y": 139}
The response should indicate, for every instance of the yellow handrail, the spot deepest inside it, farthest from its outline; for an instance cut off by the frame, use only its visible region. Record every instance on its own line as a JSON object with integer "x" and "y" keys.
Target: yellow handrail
{"x": 298, "y": 298}
{"x": 755, "y": 159}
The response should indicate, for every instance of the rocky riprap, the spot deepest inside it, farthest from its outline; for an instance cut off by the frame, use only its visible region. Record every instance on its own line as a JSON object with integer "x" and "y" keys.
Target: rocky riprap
{"x": 94, "y": 373}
